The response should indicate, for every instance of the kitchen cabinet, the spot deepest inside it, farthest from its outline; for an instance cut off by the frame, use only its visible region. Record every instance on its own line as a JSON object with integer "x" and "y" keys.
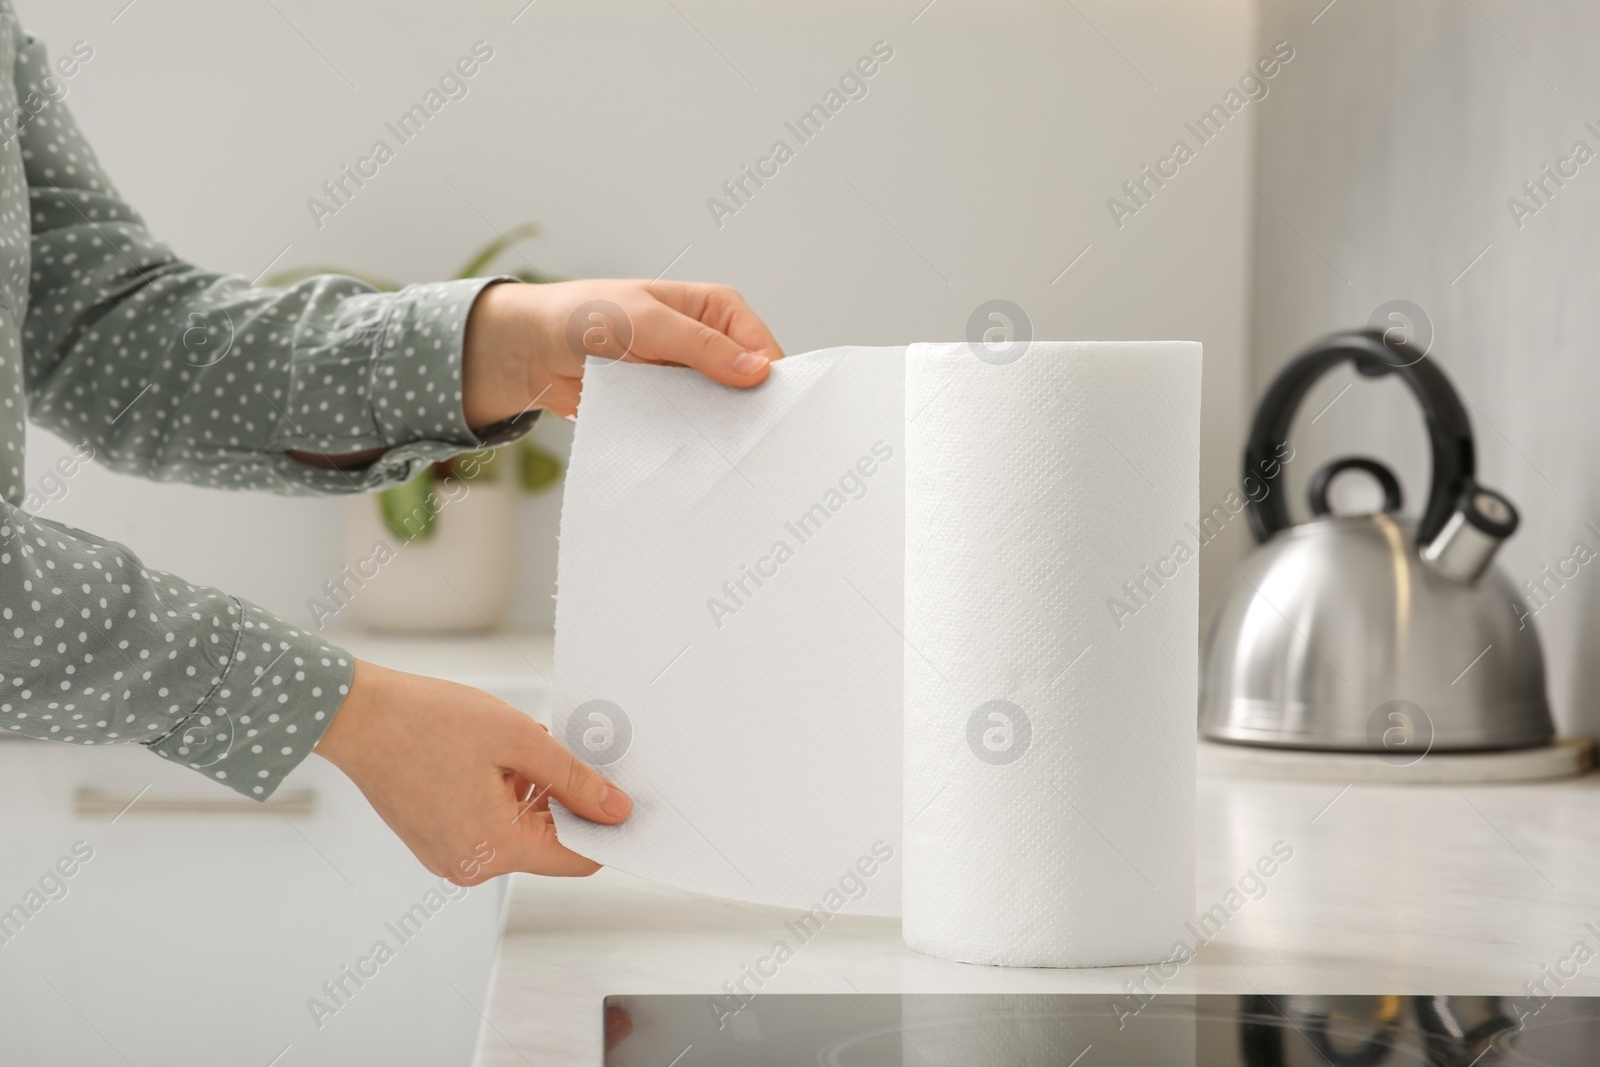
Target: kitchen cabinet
{"x": 196, "y": 929}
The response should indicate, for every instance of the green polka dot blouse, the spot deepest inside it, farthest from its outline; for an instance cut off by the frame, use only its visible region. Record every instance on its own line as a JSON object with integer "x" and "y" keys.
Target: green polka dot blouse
{"x": 179, "y": 374}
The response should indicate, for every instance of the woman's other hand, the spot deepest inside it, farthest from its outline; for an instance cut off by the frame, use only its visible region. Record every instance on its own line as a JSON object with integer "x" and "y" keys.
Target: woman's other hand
{"x": 464, "y": 779}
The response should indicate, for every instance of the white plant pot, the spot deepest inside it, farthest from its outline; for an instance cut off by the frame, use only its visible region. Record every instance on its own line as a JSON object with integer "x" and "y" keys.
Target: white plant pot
{"x": 456, "y": 581}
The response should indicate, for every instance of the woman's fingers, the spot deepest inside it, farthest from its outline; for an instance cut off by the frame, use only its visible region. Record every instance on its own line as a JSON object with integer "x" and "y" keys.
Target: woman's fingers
{"x": 545, "y": 337}
{"x": 539, "y": 769}
{"x": 534, "y": 847}
{"x": 559, "y": 775}
{"x": 543, "y": 770}
{"x": 722, "y": 308}
{"x": 464, "y": 779}
{"x": 667, "y": 335}
{"x": 709, "y": 328}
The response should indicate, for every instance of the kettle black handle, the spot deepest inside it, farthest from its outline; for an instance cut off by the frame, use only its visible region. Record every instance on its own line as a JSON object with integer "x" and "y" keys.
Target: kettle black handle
{"x": 1449, "y": 431}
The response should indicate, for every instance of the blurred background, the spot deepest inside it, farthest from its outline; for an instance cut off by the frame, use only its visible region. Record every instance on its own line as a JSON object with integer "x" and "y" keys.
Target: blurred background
{"x": 1377, "y": 167}
{"x": 1397, "y": 157}
{"x": 1392, "y": 169}
{"x": 977, "y": 166}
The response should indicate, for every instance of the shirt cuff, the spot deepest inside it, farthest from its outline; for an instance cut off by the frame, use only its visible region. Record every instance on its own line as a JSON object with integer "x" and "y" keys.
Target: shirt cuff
{"x": 384, "y": 372}
{"x": 416, "y": 370}
{"x": 277, "y": 695}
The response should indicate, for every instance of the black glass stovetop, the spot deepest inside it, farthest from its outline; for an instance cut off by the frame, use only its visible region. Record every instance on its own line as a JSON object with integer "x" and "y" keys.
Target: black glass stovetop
{"x": 1099, "y": 1030}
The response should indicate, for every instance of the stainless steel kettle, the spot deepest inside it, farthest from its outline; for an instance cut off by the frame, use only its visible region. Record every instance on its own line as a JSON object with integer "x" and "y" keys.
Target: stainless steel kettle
{"x": 1371, "y": 632}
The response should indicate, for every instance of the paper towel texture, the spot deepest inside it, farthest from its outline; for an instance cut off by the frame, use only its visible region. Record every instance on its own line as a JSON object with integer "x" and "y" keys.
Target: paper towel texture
{"x": 730, "y": 577}
{"x": 1049, "y": 739}
{"x": 758, "y": 615}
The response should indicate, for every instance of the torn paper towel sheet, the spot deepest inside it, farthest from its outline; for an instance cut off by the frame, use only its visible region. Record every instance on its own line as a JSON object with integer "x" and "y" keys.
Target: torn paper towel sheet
{"x": 730, "y": 577}
{"x": 770, "y": 600}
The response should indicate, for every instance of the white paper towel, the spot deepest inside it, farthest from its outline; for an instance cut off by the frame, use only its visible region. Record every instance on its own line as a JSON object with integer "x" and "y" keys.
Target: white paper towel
{"x": 757, "y": 615}
{"x": 756, "y": 726}
{"x": 1049, "y": 755}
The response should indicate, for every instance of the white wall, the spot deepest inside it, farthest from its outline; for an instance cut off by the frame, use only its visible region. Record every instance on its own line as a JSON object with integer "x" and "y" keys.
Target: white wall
{"x": 1404, "y": 132}
{"x": 978, "y": 166}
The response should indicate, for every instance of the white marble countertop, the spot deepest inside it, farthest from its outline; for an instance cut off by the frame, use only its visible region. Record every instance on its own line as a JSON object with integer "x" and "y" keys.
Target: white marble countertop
{"x": 1404, "y": 889}
{"x": 1391, "y": 889}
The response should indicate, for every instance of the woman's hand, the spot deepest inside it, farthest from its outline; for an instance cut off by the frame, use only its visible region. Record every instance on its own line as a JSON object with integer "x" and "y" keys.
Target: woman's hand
{"x": 463, "y": 779}
{"x": 526, "y": 344}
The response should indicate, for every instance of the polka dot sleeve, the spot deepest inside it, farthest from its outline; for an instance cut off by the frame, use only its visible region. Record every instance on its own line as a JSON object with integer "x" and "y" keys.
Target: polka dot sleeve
{"x": 177, "y": 373}
{"x": 100, "y": 650}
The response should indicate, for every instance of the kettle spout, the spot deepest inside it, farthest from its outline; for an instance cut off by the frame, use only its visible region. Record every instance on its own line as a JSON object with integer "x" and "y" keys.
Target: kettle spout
{"x": 1466, "y": 545}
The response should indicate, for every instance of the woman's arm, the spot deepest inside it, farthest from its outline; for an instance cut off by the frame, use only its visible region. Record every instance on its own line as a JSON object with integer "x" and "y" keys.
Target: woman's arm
{"x": 182, "y": 374}
{"x": 178, "y": 373}
{"x": 100, "y": 650}
{"x": 174, "y": 372}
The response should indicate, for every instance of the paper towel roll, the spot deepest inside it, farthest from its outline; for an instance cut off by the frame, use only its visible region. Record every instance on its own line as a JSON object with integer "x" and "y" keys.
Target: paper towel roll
{"x": 1049, "y": 734}
{"x": 748, "y": 644}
